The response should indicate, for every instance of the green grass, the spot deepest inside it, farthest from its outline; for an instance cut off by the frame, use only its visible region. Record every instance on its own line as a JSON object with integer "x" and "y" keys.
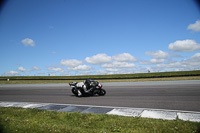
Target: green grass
{"x": 102, "y": 81}
{"x": 34, "y": 120}
{"x": 113, "y": 76}
{"x": 162, "y": 76}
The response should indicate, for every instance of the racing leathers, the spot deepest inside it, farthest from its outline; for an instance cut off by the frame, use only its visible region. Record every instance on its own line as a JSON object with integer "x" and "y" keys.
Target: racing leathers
{"x": 85, "y": 86}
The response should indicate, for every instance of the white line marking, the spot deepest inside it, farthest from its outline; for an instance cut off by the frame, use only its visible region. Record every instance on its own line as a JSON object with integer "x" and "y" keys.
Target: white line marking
{"x": 195, "y": 117}
{"x": 123, "y": 111}
{"x": 126, "y": 112}
{"x": 166, "y": 115}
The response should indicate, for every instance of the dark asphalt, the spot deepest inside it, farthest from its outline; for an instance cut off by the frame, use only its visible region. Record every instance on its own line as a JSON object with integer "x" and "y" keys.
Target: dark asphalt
{"x": 158, "y": 96}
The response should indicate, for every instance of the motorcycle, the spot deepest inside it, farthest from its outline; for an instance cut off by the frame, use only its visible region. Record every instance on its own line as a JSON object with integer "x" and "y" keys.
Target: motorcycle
{"x": 94, "y": 88}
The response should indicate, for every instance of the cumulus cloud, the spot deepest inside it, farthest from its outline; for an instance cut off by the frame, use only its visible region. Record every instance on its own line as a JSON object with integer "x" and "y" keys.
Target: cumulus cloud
{"x": 152, "y": 61}
{"x": 23, "y": 69}
{"x": 158, "y": 57}
{"x": 112, "y": 69}
{"x": 81, "y": 67}
{"x": 157, "y": 61}
{"x": 98, "y": 59}
{"x": 145, "y": 62}
{"x": 193, "y": 61}
{"x": 195, "y": 26}
{"x": 10, "y": 73}
{"x": 36, "y": 68}
{"x": 196, "y": 57}
{"x": 125, "y": 57}
{"x": 56, "y": 69}
{"x": 28, "y": 42}
{"x": 101, "y": 72}
{"x": 170, "y": 65}
{"x": 184, "y": 46}
{"x": 116, "y": 71}
{"x": 71, "y": 62}
{"x": 117, "y": 64}
{"x": 158, "y": 54}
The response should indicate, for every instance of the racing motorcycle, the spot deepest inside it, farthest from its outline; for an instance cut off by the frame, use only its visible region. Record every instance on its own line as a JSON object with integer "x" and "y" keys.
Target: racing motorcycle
{"x": 93, "y": 88}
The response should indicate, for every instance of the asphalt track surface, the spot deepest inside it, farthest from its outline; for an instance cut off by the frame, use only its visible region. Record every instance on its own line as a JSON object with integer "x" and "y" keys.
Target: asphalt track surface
{"x": 171, "y": 95}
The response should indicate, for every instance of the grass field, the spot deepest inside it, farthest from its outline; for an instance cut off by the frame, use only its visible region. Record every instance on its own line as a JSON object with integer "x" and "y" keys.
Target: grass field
{"x": 162, "y": 76}
{"x": 102, "y": 81}
{"x": 34, "y": 120}
{"x": 113, "y": 76}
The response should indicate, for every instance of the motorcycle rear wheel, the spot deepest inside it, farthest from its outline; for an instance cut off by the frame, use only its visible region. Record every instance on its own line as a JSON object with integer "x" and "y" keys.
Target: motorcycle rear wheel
{"x": 74, "y": 91}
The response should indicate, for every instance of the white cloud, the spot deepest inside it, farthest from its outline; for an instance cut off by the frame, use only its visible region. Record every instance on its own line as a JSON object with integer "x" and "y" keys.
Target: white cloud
{"x": 116, "y": 71}
{"x": 184, "y": 46}
{"x": 28, "y": 42}
{"x": 23, "y": 69}
{"x": 196, "y": 57}
{"x": 158, "y": 54}
{"x": 125, "y": 57}
{"x": 118, "y": 64}
{"x": 10, "y": 73}
{"x": 56, "y": 69}
{"x": 158, "y": 57}
{"x": 195, "y": 26}
{"x": 71, "y": 62}
{"x": 98, "y": 59}
{"x": 193, "y": 61}
{"x": 145, "y": 62}
{"x": 86, "y": 73}
{"x": 36, "y": 68}
{"x": 157, "y": 61}
{"x": 170, "y": 65}
{"x": 152, "y": 61}
{"x": 81, "y": 67}
{"x": 101, "y": 72}
{"x": 142, "y": 70}
{"x": 112, "y": 69}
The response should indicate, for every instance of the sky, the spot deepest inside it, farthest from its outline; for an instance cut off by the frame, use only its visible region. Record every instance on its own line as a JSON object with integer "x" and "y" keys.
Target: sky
{"x": 92, "y": 37}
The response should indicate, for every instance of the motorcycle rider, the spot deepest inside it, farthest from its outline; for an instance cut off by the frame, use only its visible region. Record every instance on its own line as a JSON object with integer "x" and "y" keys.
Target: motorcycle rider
{"x": 86, "y": 85}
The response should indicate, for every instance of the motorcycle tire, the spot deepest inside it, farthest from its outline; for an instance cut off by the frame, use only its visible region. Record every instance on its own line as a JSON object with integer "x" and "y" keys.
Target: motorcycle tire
{"x": 74, "y": 91}
{"x": 102, "y": 92}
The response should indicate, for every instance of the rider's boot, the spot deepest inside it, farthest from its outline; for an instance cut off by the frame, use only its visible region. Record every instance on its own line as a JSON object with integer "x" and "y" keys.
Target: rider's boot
{"x": 79, "y": 93}
{"x": 87, "y": 91}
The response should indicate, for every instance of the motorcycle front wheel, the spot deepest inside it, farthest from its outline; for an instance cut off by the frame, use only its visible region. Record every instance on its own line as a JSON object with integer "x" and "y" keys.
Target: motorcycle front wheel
{"x": 102, "y": 92}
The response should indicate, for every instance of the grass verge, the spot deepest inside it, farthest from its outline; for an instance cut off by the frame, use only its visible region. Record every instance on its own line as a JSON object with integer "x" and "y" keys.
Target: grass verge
{"x": 34, "y": 120}
{"x": 106, "y": 80}
{"x": 111, "y": 76}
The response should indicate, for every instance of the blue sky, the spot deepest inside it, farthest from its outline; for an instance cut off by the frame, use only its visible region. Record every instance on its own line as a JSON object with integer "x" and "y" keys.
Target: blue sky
{"x": 86, "y": 37}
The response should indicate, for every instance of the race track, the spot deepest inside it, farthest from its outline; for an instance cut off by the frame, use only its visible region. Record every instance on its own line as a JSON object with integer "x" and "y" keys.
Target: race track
{"x": 172, "y": 95}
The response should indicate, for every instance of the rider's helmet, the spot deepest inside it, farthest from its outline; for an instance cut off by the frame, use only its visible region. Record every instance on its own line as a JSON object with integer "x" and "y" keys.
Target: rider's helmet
{"x": 87, "y": 81}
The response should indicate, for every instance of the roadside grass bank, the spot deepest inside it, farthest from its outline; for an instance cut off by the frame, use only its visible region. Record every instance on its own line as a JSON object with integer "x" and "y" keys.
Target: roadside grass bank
{"x": 102, "y": 81}
{"x": 112, "y": 76}
{"x": 34, "y": 120}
